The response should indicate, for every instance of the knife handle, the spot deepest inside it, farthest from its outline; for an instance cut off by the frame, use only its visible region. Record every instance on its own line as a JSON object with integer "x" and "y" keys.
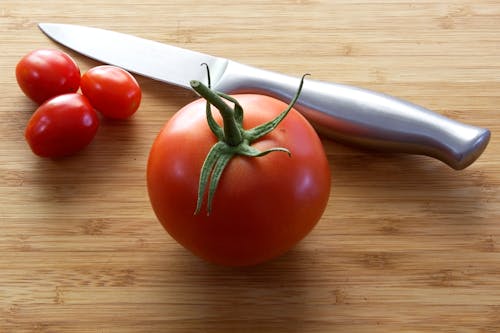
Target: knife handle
{"x": 364, "y": 117}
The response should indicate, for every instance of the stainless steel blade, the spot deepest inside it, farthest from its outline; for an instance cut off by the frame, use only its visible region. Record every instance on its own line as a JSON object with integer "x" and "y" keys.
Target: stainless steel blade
{"x": 155, "y": 60}
{"x": 342, "y": 112}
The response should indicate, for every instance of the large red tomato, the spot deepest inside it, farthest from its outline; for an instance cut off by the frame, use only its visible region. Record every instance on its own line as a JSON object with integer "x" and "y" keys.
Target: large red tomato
{"x": 262, "y": 206}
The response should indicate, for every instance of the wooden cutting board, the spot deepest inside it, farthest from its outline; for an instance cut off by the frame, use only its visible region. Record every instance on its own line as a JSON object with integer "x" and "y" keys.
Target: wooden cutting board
{"x": 406, "y": 244}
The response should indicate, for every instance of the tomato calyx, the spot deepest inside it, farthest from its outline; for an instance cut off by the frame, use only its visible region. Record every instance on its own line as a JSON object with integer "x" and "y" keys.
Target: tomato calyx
{"x": 233, "y": 139}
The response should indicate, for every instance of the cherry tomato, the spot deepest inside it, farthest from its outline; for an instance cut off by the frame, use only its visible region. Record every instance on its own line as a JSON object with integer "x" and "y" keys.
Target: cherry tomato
{"x": 112, "y": 91}
{"x": 262, "y": 206}
{"x": 43, "y": 74}
{"x": 62, "y": 126}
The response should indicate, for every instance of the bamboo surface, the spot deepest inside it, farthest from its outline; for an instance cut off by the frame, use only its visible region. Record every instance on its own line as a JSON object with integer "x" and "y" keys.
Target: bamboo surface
{"x": 406, "y": 243}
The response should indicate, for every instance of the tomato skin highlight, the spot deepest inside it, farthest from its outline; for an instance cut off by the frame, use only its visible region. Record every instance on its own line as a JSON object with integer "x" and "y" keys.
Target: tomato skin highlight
{"x": 62, "y": 126}
{"x": 262, "y": 207}
{"x": 46, "y": 73}
{"x": 113, "y": 91}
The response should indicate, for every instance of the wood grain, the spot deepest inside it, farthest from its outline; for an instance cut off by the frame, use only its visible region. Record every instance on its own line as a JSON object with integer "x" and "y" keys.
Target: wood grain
{"x": 406, "y": 244}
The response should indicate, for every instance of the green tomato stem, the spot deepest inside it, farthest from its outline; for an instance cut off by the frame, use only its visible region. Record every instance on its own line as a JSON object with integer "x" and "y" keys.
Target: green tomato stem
{"x": 232, "y": 138}
{"x": 232, "y": 132}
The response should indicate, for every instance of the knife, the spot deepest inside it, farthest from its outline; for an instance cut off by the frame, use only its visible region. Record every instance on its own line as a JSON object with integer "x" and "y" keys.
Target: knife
{"x": 341, "y": 112}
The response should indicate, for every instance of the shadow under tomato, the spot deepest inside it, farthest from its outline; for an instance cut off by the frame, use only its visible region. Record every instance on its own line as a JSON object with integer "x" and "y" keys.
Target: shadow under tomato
{"x": 277, "y": 296}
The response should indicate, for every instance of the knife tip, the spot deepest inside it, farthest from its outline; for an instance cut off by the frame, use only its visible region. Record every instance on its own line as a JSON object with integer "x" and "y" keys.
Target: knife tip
{"x": 43, "y": 26}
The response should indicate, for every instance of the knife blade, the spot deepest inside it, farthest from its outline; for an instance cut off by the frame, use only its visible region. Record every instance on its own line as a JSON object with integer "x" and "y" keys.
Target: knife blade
{"x": 340, "y": 112}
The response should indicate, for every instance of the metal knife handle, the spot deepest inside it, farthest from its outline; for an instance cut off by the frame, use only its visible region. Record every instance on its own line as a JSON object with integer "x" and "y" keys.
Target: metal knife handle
{"x": 364, "y": 117}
